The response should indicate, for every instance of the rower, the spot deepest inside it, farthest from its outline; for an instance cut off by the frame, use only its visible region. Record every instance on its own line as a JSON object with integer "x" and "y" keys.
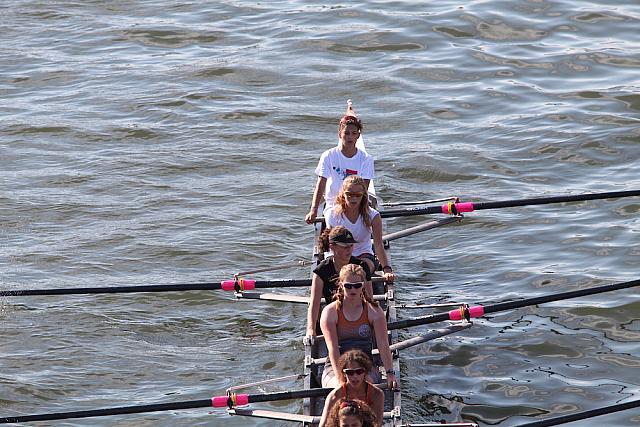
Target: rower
{"x": 354, "y": 320}
{"x": 339, "y": 162}
{"x": 324, "y": 282}
{"x": 352, "y": 211}
{"x": 350, "y": 413}
{"x": 353, "y": 367}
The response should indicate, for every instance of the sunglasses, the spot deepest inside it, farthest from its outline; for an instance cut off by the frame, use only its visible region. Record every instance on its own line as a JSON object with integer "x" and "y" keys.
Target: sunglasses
{"x": 342, "y": 245}
{"x": 355, "y": 371}
{"x": 353, "y": 194}
{"x": 352, "y": 285}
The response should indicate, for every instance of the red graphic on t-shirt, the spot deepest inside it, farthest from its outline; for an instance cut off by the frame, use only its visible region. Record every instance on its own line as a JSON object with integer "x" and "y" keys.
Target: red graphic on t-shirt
{"x": 351, "y": 172}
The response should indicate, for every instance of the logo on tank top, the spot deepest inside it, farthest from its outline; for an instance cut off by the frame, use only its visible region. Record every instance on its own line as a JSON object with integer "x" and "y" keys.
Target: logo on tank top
{"x": 364, "y": 330}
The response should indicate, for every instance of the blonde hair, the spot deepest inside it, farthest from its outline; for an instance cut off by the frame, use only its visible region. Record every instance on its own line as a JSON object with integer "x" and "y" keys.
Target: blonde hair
{"x": 341, "y": 199}
{"x": 345, "y": 271}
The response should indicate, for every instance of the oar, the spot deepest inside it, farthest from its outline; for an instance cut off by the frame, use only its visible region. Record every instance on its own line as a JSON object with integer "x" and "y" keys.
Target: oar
{"x": 237, "y": 284}
{"x": 583, "y": 415}
{"x": 458, "y": 208}
{"x": 225, "y": 285}
{"x": 420, "y": 202}
{"x": 231, "y": 400}
{"x": 467, "y": 312}
{"x": 429, "y": 225}
{"x": 299, "y": 263}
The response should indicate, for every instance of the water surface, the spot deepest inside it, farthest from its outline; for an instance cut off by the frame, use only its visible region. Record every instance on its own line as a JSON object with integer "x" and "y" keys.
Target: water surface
{"x": 154, "y": 142}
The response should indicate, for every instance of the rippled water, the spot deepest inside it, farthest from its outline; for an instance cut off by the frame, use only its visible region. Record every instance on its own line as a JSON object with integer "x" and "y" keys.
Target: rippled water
{"x": 154, "y": 142}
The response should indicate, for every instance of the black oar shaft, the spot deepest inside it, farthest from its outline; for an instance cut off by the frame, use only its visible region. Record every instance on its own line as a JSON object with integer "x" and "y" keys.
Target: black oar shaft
{"x": 512, "y": 203}
{"x": 190, "y": 404}
{"x": 554, "y": 199}
{"x": 114, "y": 289}
{"x": 391, "y": 213}
{"x": 424, "y": 320}
{"x": 289, "y": 395}
{"x": 153, "y": 288}
{"x": 583, "y": 415}
{"x": 441, "y": 317}
{"x": 558, "y": 297}
{"x": 108, "y": 411}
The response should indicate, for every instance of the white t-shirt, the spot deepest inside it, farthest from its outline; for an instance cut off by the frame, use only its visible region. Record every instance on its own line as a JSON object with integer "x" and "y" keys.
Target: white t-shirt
{"x": 335, "y": 166}
{"x": 360, "y": 231}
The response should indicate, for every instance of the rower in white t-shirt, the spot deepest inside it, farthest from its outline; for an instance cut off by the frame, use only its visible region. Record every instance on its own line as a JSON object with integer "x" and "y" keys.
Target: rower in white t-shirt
{"x": 339, "y": 162}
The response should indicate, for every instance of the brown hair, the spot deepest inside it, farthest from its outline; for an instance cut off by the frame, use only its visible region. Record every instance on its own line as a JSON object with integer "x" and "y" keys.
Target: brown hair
{"x": 338, "y": 296}
{"x": 351, "y": 407}
{"x": 323, "y": 240}
{"x": 353, "y": 357}
{"x": 327, "y": 234}
{"x": 348, "y": 119}
{"x": 341, "y": 199}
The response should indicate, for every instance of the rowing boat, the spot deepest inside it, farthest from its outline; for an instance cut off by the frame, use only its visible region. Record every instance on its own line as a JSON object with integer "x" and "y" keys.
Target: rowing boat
{"x": 315, "y": 354}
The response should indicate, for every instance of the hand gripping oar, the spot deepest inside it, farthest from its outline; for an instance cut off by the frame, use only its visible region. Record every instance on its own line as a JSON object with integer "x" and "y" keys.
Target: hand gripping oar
{"x": 466, "y": 312}
{"x": 229, "y": 401}
{"x": 583, "y": 415}
{"x": 459, "y": 208}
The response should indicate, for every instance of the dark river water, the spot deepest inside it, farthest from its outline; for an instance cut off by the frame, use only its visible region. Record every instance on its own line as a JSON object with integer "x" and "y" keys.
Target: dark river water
{"x": 158, "y": 142}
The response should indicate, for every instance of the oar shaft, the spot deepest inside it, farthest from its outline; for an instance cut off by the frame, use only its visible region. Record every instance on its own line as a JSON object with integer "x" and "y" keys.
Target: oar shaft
{"x": 479, "y": 310}
{"x": 554, "y": 199}
{"x": 424, "y": 320}
{"x": 108, "y": 411}
{"x": 558, "y": 297}
{"x": 232, "y": 400}
{"x": 470, "y": 207}
{"x": 289, "y": 395}
{"x": 216, "y": 402}
{"x": 113, "y": 289}
{"x": 420, "y": 227}
{"x": 300, "y": 263}
{"x": 245, "y": 284}
{"x": 583, "y": 415}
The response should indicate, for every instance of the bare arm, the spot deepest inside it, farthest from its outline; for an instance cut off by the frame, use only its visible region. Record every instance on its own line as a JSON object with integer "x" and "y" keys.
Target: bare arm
{"x": 381, "y": 253}
{"x": 379, "y": 322}
{"x": 368, "y": 288}
{"x": 368, "y": 285}
{"x": 377, "y": 405}
{"x": 318, "y": 194}
{"x": 329, "y": 326}
{"x": 330, "y": 400}
{"x": 314, "y": 304}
